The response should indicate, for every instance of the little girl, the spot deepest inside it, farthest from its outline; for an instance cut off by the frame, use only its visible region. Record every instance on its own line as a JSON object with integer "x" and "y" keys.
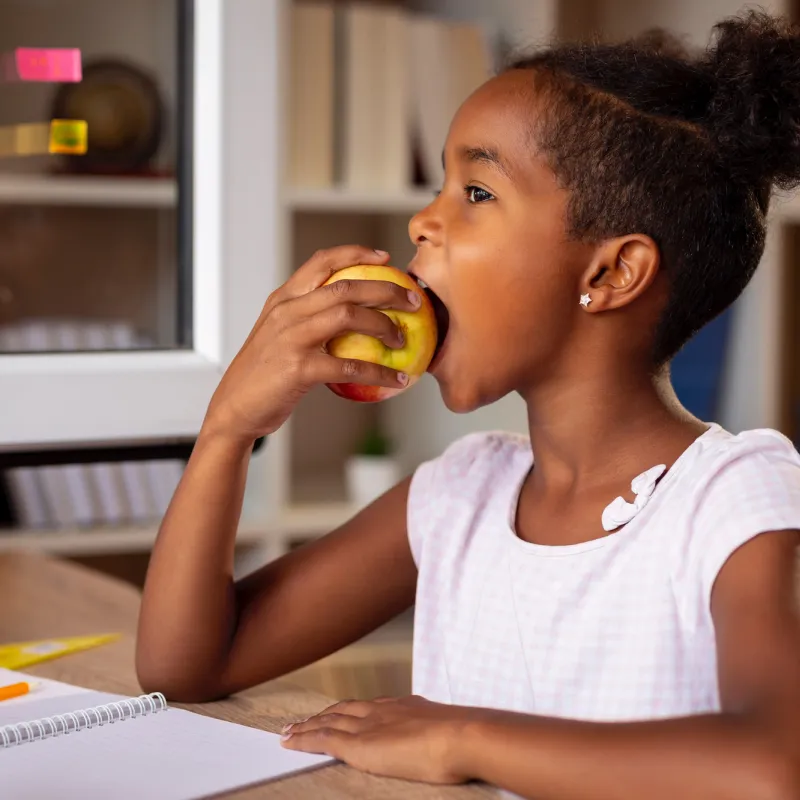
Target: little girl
{"x": 604, "y": 609}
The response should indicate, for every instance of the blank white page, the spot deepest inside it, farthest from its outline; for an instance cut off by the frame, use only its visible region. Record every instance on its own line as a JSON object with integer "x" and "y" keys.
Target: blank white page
{"x": 171, "y": 755}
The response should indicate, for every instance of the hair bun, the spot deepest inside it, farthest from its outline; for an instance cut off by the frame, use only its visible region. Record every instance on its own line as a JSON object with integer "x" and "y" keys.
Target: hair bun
{"x": 754, "y": 112}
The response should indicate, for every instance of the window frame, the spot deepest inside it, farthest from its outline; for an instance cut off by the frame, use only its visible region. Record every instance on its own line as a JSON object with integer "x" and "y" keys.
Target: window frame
{"x": 84, "y": 398}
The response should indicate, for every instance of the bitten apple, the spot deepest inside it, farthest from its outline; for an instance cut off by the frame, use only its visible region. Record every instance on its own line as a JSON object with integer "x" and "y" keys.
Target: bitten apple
{"x": 419, "y": 330}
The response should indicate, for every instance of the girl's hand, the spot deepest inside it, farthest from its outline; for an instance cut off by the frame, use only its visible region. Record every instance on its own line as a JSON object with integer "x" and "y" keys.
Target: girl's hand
{"x": 284, "y": 355}
{"x": 408, "y": 737}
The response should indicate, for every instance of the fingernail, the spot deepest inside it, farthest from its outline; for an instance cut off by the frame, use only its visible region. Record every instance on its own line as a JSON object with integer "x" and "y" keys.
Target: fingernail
{"x": 286, "y": 736}
{"x": 402, "y": 378}
{"x": 286, "y": 728}
{"x": 414, "y": 298}
{"x": 381, "y": 252}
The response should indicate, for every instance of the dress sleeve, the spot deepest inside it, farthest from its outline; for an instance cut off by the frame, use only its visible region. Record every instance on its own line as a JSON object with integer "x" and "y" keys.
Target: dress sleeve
{"x": 439, "y": 483}
{"x": 753, "y": 491}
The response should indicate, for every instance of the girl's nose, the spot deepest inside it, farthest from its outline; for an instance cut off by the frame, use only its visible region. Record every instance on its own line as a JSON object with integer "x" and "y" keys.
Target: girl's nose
{"x": 425, "y": 225}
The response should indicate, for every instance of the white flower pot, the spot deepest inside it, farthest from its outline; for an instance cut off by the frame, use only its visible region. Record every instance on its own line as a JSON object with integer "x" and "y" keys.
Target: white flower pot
{"x": 368, "y": 477}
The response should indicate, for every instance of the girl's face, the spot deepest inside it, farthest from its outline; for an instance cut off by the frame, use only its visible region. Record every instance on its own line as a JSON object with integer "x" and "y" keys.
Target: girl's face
{"x": 492, "y": 249}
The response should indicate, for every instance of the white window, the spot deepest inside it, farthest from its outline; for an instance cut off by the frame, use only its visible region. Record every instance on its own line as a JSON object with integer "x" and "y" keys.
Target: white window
{"x": 157, "y": 248}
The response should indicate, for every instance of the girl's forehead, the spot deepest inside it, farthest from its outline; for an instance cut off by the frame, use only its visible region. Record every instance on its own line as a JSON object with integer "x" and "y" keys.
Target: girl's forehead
{"x": 500, "y": 116}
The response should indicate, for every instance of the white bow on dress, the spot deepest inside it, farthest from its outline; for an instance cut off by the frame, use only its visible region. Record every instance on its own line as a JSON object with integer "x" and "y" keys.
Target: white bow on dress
{"x": 619, "y": 512}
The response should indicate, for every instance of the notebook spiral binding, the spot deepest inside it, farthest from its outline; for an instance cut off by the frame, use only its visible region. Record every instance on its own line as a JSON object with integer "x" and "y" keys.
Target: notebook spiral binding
{"x": 72, "y": 721}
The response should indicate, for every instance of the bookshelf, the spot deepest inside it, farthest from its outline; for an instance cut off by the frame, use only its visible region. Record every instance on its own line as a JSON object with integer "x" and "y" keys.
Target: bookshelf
{"x": 88, "y": 191}
{"x": 296, "y": 486}
{"x": 99, "y": 540}
{"x": 337, "y": 200}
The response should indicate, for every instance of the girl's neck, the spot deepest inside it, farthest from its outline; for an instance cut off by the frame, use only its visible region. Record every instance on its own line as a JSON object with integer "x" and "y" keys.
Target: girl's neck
{"x": 603, "y": 429}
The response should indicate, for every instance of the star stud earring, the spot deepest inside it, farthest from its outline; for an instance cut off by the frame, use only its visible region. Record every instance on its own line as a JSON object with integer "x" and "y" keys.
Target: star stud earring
{"x": 585, "y": 300}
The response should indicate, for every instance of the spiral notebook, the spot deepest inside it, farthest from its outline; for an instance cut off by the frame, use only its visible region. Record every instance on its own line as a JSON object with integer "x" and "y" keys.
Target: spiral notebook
{"x": 75, "y": 744}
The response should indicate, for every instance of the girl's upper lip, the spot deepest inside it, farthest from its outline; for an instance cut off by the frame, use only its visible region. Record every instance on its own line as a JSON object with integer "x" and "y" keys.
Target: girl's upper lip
{"x": 415, "y": 275}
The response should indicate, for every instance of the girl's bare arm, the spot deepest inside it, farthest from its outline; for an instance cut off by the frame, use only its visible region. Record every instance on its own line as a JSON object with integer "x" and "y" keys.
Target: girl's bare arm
{"x": 201, "y": 635}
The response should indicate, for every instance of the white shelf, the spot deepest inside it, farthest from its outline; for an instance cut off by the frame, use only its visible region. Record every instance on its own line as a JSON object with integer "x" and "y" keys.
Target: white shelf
{"x": 306, "y": 519}
{"x": 98, "y": 541}
{"x": 88, "y": 191}
{"x": 408, "y": 201}
{"x": 314, "y": 519}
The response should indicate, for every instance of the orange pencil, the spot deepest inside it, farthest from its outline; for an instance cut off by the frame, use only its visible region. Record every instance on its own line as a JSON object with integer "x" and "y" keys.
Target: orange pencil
{"x": 15, "y": 690}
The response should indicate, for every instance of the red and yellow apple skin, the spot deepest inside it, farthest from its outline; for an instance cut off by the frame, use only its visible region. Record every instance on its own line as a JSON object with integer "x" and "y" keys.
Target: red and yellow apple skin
{"x": 419, "y": 329}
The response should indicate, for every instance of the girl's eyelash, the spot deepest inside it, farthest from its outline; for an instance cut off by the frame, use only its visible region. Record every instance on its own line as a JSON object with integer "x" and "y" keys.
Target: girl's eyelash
{"x": 469, "y": 190}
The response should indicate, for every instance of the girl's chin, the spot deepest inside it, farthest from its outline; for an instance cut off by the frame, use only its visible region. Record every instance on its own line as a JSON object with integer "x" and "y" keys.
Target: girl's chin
{"x": 457, "y": 385}
{"x": 458, "y": 403}
{"x": 457, "y": 394}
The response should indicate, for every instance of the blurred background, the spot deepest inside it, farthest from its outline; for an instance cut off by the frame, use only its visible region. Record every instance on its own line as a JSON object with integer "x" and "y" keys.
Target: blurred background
{"x": 99, "y": 253}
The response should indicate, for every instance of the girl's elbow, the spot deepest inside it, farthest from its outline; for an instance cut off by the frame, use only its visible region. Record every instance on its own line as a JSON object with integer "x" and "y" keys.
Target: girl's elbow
{"x": 787, "y": 780}
{"x": 176, "y": 688}
{"x": 778, "y": 777}
{"x": 177, "y": 683}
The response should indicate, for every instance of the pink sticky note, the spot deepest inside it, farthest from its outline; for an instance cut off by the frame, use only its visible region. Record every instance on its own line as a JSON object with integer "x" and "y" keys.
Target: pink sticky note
{"x": 59, "y": 65}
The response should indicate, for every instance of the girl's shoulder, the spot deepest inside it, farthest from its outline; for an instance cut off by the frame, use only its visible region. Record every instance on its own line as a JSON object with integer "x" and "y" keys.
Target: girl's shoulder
{"x": 760, "y": 457}
{"x": 734, "y": 487}
{"x": 730, "y": 486}
{"x": 484, "y": 450}
{"x": 475, "y": 464}
{"x": 474, "y": 476}
{"x": 763, "y": 440}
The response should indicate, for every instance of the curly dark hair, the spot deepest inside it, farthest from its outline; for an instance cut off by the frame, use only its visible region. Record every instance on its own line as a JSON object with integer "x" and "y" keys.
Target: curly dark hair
{"x": 684, "y": 148}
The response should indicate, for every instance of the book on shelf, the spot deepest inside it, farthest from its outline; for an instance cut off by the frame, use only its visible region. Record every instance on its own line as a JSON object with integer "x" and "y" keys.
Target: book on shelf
{"x": 68, "y": 496}
{"x": 372, "y": 92}
{"x": 310, "y": 98}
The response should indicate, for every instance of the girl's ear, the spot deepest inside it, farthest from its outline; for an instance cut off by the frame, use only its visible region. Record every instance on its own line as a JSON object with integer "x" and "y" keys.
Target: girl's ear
{"x": 622, "y": 270}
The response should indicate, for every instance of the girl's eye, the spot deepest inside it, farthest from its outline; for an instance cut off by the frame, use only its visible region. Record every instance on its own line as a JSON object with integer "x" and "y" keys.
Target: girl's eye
{"x": 477, "y": 195}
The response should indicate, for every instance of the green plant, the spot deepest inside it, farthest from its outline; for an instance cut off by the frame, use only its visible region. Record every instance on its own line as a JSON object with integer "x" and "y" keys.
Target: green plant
{"x": 374, "y": 443}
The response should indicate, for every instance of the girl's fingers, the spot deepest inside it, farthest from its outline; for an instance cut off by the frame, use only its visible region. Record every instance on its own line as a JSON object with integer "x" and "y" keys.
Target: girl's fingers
{"x": 324, "y": 368}
{"x": 314, "y": 273}
{"x": 355, "y": 708}
{"x": 324, "y": 741}
{"x": 324, "y": 326}
{"x": 340, "y": 722}
{"x": 367, "y": 293}
{"x": 324, "y": 263}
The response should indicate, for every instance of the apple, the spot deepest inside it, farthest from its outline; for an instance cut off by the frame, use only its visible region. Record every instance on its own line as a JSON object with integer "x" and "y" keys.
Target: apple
{"x": 419, "y": 329}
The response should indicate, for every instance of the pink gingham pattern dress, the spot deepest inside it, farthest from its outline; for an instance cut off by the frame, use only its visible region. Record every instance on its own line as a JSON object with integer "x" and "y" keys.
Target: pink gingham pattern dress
{"x": 610, "y": 630}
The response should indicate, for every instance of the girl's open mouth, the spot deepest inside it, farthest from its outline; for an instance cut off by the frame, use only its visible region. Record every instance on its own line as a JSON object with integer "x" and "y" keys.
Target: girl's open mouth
{"x": 442, "y": 315}
{"x": 442, "y": 319}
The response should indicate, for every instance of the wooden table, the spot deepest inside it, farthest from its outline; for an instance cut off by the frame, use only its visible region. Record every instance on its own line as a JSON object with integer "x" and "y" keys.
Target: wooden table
{"x": 41, "y": 597}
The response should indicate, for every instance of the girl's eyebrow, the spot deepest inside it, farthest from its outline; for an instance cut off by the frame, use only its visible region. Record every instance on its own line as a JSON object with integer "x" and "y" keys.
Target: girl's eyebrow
{"x": 484, "y": 155}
